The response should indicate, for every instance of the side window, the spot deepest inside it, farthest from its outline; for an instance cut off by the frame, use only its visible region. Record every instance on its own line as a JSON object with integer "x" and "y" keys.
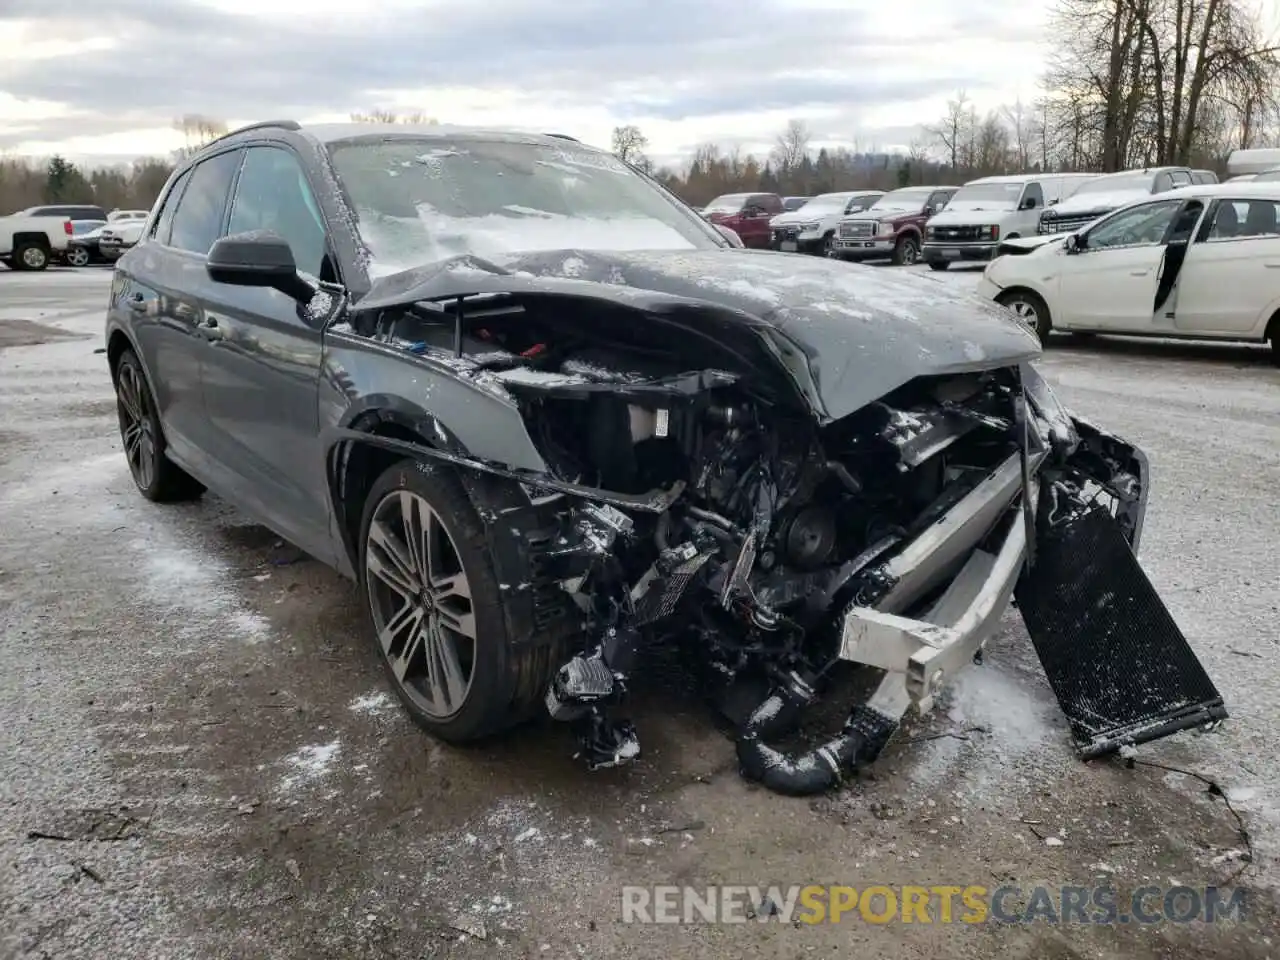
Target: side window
{"x": 1032, "y": 197}
{"x": 272, "y": 194}
{"x": 1180, "y": 178}
{"x": 939, "y": 199}
{"x": 1163, "y": 182}
{"x": 198, "y": 219}
{"x": 1236, "y": 219}
{"x": 1137, "y": 226}
{"x": 858, "y": 204}
{"x": 160, "y": 229}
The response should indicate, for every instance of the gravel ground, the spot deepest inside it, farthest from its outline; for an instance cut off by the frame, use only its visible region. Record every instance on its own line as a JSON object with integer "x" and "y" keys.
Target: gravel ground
{"x": 198, "y": 757}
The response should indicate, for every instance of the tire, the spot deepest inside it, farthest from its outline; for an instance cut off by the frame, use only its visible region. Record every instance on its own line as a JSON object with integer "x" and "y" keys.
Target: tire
{"x": 157, "y": 477}
{"x": 827, "y": 249}
{"x": 939, "y": 264}
{"x": 1275, "y": 348}
{"x": 78, "y": 257}
{"x": 906, "y": 252}
{"x": 495, "y": 681}
{"x": 30, "y": 256}
{"x": 1030, "y": 309}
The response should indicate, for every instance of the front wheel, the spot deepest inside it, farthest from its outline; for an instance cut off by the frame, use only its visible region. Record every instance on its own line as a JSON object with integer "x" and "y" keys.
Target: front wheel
{"x": 906, "y": 252}
{"x": 157, "y": 477}
{"x": 939, "y": 264}
{"x": 1030, "y": 309}
{"x": 439, "y": 620}
{"x": 78, "y": 257}
{"x": 828, "y": 247}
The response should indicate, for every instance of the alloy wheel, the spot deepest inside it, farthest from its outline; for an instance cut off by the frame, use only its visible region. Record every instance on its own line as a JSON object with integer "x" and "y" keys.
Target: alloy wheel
{"x": 1025, "y": 311}
{"x": 78, "y": 257}
{"x": 420, "y": 599}
{"x": 136, "y": 425}
{"x": 908, "y": 253}
{"x": 33, "y": 258}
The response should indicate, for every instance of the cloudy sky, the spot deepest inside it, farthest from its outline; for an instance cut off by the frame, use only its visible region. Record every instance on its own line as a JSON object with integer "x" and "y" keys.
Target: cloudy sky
{"x": 108, "y": 77}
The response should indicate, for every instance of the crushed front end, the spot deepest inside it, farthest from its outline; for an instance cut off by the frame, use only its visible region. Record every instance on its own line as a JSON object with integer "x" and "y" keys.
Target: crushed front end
{"x": 894, "y": 538}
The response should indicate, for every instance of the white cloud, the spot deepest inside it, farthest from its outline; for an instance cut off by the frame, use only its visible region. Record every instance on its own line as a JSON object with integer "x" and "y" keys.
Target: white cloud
{"x": 726, "y": 70}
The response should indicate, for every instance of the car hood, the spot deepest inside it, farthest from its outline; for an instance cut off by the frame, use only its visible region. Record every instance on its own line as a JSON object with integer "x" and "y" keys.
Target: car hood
{"x": 793, "y": 217}
{"x": 1107, "y": 200}
{"x": 884, "y": 213}
{"x": 846, "y": 334}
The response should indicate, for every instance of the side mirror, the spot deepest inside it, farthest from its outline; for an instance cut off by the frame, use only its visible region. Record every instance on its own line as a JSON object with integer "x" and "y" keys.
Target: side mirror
{"x": 259, "y": 258}
{"x": 1028, "y": 203}
{"x": 1071, "y": 244}
{"x": 730, "y": 235}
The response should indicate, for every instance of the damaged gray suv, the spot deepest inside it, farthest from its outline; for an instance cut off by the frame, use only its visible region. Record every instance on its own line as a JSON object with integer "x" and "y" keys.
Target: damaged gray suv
{"x": 550, "y": 420}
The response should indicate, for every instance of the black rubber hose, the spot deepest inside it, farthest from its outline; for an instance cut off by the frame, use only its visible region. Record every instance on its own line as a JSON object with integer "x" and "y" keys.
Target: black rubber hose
{"x": 820, "y": 769}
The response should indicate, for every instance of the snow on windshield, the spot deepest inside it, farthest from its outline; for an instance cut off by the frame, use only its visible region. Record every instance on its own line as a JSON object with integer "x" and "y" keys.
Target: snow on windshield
{"x": 420, "y": 201}
{"x": 902, "y": 200}
{"x": 729, "y": 203}
{"x": 990, "y": 196}
{"x": 1132, "y": 181}
{"x": 827, "y": 201}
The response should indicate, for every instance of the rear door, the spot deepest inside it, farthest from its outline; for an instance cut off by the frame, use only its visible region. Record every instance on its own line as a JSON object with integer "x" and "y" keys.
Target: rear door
{"x": 141, "y": 296}
{"x": 261, "y": 366}
{"x": 1230, "y": 280}
{"x": 1110, "y": 284}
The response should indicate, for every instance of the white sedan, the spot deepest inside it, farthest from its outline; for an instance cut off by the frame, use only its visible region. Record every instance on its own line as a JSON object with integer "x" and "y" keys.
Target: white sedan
{"x": 1200, "y": 262}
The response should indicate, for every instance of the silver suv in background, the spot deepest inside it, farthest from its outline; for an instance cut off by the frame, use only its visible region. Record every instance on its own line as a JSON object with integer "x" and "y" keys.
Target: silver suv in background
{"x": 1104, "y": 194}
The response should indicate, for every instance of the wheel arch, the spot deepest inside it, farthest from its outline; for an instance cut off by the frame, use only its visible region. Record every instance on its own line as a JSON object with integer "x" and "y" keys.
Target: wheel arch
{"x": 37, "y": 237}
{"x": 1272, "y": 331}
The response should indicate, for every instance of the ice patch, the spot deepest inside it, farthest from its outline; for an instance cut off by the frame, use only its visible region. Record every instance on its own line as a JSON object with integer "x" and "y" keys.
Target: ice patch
{"x": 197, "y": 584}
{"x": 309, "y": 765}
{"x": 373, "y": 704}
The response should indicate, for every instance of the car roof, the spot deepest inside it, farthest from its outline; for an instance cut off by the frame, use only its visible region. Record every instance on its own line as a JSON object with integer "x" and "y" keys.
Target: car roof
{"x": 335, "y": 132}
{"x": 1267, "y": 190}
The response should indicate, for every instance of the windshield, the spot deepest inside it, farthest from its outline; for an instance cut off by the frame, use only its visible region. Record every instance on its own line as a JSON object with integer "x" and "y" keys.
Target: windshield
{"x": 903, "y": 200}
{"x": 1267, "y": 177}
{"x": 421, "y": 200}
{"x": 986, "y": 196}
{"x": 827, "y": 203}
{"x": 729, "y": 203}
{"x": 1128, "y": 181}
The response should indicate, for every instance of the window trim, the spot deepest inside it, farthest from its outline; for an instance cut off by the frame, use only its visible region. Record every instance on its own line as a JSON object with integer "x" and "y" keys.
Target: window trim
{"x": 225, "y": 200}
{"x": 173, "y": 195}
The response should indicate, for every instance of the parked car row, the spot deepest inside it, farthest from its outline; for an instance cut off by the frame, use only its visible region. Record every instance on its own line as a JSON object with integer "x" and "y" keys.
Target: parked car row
{"x": 940, "y": 224}
{"x": 73, "y": 234}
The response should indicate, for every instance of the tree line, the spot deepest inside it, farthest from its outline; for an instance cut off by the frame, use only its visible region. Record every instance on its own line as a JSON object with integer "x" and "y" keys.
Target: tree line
{"x": 1131, "y": 83}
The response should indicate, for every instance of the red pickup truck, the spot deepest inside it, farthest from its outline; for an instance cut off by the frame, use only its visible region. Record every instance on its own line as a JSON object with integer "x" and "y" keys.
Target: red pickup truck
{"x": 893, "y": 228}
{"x": 746, "y": 214}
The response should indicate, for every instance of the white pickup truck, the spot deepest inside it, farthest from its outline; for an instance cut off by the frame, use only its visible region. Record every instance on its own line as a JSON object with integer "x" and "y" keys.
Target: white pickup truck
{"x": 30, "y": 243}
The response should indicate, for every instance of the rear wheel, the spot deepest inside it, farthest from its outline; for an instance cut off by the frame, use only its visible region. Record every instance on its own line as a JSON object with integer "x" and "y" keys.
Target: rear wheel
{"x": 156, "y": 476}
{"x": 906, "y": 252}
{"x": 30, "y": 256}
{"x": 939, "y": 264}
{"x": 1030, "y": 309}
{"x": 78, "y": 257}
{"x": 439, "y": 620}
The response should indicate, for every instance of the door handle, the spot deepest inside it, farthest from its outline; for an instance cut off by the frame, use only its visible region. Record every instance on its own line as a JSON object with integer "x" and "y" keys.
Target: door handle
{"x": 1139, "y": 273}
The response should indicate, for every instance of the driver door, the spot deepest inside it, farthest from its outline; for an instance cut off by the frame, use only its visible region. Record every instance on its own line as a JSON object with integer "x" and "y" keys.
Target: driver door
{"x": 1110, "y": 282}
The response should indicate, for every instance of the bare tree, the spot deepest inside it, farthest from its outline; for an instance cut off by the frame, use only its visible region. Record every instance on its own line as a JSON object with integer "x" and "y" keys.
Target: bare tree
{"x": 792, "y": 146}
{"x": 197, "y": 130}
{"x": 415, "y": 117}
{"x": 1019, "y": 124}
{"x": 951, "y": 132}
{"x": 629, "y": 144}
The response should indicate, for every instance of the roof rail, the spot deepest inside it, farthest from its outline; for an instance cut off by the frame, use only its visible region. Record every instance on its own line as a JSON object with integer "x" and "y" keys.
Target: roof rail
{"x": 262, "y": 124}
{"x": 564, "y": 136}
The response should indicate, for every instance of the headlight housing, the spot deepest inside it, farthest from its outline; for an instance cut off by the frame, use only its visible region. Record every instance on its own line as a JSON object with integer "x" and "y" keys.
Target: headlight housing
{"x": 884, "y": 229}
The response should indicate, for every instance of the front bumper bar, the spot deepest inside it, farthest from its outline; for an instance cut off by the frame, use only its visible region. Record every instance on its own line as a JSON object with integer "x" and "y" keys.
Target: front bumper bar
{"x": 932, "y": 648}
